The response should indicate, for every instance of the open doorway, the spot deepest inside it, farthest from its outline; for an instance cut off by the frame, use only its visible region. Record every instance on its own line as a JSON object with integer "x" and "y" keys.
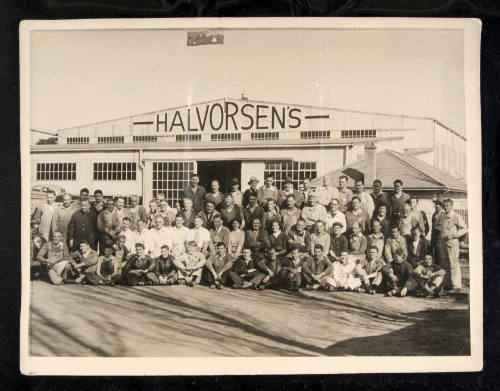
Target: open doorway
{"x": 224, "y": 171}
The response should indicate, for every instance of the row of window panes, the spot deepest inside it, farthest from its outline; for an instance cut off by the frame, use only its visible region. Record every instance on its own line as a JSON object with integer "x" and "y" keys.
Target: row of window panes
{"x": 297, "y": 171}
{"x": 225, "y": 137}
{"x": 265, "y": 136}
{"x": 358, "y": 133}
{"x": 77, "y": 140}
{"x": 145, "y": 139}
{"x": 56, "y": 171}
{"x": 315, "y": 134}
{"x": 110, "y": 140}
{"x": 187, "y": 137}
{"x": 115, "y": 171}
{"x": 170, "y": 178}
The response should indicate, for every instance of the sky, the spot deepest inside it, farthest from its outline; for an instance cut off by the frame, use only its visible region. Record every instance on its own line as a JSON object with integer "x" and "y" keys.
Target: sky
{"x": 82, "y": 77}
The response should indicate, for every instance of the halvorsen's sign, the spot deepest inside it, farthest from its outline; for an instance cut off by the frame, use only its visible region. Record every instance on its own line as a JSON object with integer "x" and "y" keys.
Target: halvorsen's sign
{"x": 229, "y": 115}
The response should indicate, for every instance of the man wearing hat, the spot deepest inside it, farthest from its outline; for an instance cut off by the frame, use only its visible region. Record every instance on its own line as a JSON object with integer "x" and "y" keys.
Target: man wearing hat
{"x": 235, "y": 192}
{"x": 252, "y": 190}
{"x": 289, "y": 190}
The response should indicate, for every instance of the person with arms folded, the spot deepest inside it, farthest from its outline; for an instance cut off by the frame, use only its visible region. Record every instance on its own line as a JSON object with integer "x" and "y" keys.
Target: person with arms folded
{"x": 218, "y": 266}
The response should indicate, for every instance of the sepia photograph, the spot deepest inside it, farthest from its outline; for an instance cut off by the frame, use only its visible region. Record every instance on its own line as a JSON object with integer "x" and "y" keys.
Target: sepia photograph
{"x": 214, "y": 194}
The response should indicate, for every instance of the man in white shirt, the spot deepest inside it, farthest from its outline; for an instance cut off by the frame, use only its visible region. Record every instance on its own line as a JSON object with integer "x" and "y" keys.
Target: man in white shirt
{"x": 178, "y": 234}
{"x": 335, "y": 215}
{"x": 314, "y": 212}
{"x": 366, "y": 199}
{"x": 159, "y": 236}
{"x": 325, "y": 192}
{"x": 190, "y": 266}
{"x": 130, "y": 236}
{"x": 143, "y": 236}
{"x": 199, "y": 235}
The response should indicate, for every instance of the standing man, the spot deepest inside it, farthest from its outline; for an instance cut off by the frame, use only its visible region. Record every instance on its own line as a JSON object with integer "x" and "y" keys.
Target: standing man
{"x": 299, "y": 237}
{"x": 379, "y": 197}
{"x": 218, "y": 266}
{"x": 357, "y": 215}
{"x": 253, "y": 211}
{"x": 366, "y": 200}
{"x": 45, "y": 213}
{"x": 313, "y": 212}
{"x": 218, "y": 233}
{"x": 98, "y": 205}
{"x": 108, "y": 225}
{"x": 438, "y": 219}
{"x": 325, "y": 192}
{"x": 304, "y": 189}
{"x": 136, "y": 212}
{"x": 397, "y": 199}
{"x": 345, "y": 194}
{"x": 200, "y": 236}
{"x": 55, "y": 256}
{"x": 382, "y": 217}
{"x": 61, "y": 217}
{"x": 393, "y": 243}
{"x": 188, "y": 213}
{"x": 252, "y": 190}
{"x": 290, "y": 215}
{"x": 287, "y": 191}
{"x": 418, "y": 247}
{"x": 159, "y": 236}
{"x": 235, "y": 192}
{"x": 268, "y": 191}
{"x": 419, "y": 215}
{"x": 207, "y": 215}
{"x": 408, "y": 221}
{"x": 82, "y": 226}
{"x": 454, "y": 227}
{"x": 120, "y": 210}
{"x": 195, "y": 192}
{"x": 230, "y": 211}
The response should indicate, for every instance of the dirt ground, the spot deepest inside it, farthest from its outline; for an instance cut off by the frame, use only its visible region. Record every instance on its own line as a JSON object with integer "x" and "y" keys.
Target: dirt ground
{"x": 74, "y": 320}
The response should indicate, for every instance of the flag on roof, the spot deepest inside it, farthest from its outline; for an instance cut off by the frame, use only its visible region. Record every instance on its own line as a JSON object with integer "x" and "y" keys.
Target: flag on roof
{"x": 205, "y": 37}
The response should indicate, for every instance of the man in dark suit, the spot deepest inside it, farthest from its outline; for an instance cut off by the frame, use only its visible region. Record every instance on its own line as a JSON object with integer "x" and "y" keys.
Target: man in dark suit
{"x": 418, "y": 247}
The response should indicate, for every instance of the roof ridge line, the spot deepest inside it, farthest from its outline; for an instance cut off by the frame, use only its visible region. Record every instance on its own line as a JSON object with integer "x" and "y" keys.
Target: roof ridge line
{"x": 392, "y": 153}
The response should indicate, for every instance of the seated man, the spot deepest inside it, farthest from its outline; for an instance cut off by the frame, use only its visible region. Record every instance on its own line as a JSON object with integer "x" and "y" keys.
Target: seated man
{"x": 418, "y": 247}
{"x": 244, "y": 270}
{"x": 270, "y": 268}
{"x": 165, "y": 268}
{"x": 199, "y": 235}
{"x": 277, "y": 238}
{"x": 109, "y": 268}
{"x": 357, "y": 236}
{"x": 54, "y": 257}
{"x": 370, "y": 270}
{"x": 429, "y": 278}
{"x": 397, "y": 275}
{"x": 299, "y": 237}
{"x": 218, "y": 266}
{"x": 316, "y": 270}
{"x": 190, "y": 265}
{"x": 342, "y": 276}
{"x": 86, "y": 264}
{"x": 256, "y": 238}
{"x": 140, "y": 268}
{"x": 291, "y": 268}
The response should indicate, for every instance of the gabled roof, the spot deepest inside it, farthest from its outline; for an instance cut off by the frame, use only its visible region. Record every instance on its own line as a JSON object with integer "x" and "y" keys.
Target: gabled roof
{"x": 391, "y": 165}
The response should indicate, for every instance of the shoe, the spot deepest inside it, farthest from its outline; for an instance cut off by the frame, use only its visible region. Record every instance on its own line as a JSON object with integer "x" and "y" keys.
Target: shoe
{"x": 237, "y": 286}
{"x": 330, "y": 289}
{"x": 360, "y": 290}
{"x": 190, "y": 284}
{"x": 212, "y": 286}
{"x": 141, "y": 283}
{"x": 391, "y": 292}
{"x": 403, "y": 292}
{"x": 246, "y": 285}
{"x": 69, "y": 281}
{"x": 181, "y": 282}
{"x": 218, "y": 285}
{"x": 371, "y": 291}
{"x": 309, "y": 288}
{"x": 111, "y": 283}
{"x": 169, "y": 282}
{"x": 315, "y": 287}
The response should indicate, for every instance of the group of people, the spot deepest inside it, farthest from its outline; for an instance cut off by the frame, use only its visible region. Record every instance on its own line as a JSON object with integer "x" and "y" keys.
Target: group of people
{"x": 322, "y": 237}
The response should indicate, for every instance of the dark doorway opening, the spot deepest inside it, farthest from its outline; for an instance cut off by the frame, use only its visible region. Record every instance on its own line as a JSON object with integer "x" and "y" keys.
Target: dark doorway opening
{"x": 223, "y": 171}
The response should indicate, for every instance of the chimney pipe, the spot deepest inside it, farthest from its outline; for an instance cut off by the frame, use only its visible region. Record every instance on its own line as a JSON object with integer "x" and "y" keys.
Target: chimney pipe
{"x": 371, "y": 166}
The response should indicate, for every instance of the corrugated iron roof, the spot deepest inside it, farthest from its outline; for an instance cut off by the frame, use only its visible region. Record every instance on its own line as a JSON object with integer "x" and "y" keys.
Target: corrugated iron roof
{"x": 392, "y": 165}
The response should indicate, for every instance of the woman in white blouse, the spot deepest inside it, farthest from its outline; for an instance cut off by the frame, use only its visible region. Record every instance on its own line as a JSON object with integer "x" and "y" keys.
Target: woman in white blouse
{"x": 236, "y": 239}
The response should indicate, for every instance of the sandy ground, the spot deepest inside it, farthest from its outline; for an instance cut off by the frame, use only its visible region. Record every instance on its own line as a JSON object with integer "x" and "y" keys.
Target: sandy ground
{"x": 76, "y": 320}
